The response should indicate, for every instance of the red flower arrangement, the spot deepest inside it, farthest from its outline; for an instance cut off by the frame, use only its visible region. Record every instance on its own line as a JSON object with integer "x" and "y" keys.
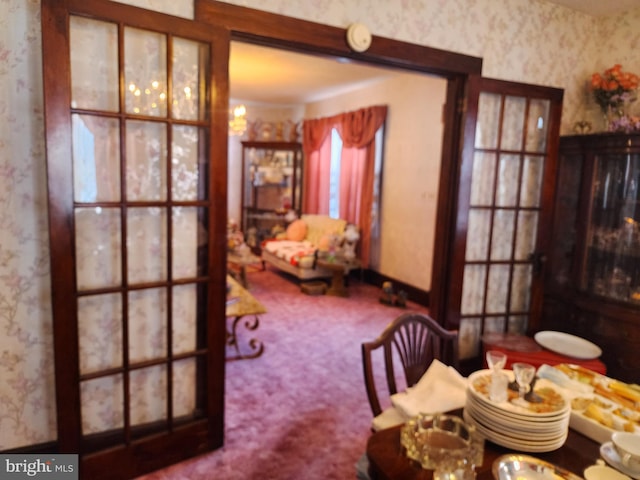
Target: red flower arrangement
{"x": 614, "y": 88}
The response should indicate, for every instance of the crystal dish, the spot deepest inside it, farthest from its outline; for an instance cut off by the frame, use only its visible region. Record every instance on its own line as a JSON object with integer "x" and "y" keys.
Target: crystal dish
{"x": 525, "y": 467}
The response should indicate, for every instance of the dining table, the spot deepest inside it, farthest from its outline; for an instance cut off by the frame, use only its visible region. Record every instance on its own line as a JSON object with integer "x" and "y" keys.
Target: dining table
{"x": 387, "y": 460}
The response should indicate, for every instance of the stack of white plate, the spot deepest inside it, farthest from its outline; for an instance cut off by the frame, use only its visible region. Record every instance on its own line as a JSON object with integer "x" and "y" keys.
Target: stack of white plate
{"x": 514, "y": 426}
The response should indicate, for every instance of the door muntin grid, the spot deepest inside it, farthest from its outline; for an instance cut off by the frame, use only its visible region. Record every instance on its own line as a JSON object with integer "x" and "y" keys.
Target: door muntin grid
{"x": 140, "y": 210}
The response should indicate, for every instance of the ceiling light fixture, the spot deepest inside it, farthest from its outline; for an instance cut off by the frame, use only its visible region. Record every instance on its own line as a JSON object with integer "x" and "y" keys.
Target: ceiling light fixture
{"x": 237, "y": 120}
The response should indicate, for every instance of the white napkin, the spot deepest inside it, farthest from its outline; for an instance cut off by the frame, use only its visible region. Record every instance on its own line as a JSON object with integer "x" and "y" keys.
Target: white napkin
{"x": 440, "y": 389}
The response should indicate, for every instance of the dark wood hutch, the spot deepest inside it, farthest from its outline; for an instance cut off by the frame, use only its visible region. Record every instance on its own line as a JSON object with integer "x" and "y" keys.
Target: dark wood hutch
{"x": 592, "y": 287}
{"x": 271, "y": 186}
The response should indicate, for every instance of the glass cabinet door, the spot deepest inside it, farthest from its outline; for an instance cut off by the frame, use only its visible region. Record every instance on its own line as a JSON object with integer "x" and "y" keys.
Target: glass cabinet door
{"x": 612, "y": 262}
{"x": 271, "y": 185}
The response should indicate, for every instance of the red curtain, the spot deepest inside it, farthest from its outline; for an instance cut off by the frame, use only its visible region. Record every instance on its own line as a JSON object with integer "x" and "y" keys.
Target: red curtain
{"x": 357, "y": 130}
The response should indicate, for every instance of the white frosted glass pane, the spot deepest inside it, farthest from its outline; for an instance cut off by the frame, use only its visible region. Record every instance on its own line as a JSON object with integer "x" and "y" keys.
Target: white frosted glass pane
{"x": 473, "y": 289}
{"x": 502, "y": 240}
{"x": 508, "y": 179}
{"x": 184, "y": 163}
{"x": 147, "y": 244}
{"x": 101, "y": 403}
{"x": 146, "y": 161}
{"x": 518, "y": 324}
{"x": 526, "y": 236}
{"x": 184, "y": 309}
{"x": 100, "y": 332}
{"x": 531, "y": 181}
{"x": 513, "y": 123}
{"x": 521, "y": 288}
{"x": 494, "y": 324}
{"x": 148, "y": 399}
{"x": 497, "y": 289}
{"x": 96, "y": 158}
{"x": 185, "y": 242}
{"x": 184, "y": 392}
{"x": 94, "y": 78}
{"x": 145, "y": 72}
{"x": 483, "y": 179}
{"x": 488, "y": 123}
{"x": 98, "y": 247}
{"x": 186, "y": 78}
{"x": 147, "y": 324}
{"x": 469, "y": 335}
{"x": 537, "y": 125}
{"x": 478, "y": 231}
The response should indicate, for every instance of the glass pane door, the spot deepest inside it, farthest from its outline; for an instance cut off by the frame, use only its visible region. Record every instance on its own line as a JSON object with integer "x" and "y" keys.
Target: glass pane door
{"x": 132, "y": 217}
{"x": 502, "y": 211}
{"x": 137, "y": 181}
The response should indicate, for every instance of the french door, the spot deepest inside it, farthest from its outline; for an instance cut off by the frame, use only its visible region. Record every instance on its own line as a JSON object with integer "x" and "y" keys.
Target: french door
{"x": 135, "y": 122}
{"x": 504, "y": 207}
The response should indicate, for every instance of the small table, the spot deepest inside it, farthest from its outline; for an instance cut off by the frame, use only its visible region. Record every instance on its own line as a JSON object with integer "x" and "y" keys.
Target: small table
{"x": 339, "y": 268}
{"x": 387, "y": 461}
{"x": 240, "y": 264}
{"x": 241, "y": 303}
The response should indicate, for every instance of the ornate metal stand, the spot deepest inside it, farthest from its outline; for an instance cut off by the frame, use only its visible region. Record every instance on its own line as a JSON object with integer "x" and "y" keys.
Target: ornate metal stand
{"x": 254, "y": 344}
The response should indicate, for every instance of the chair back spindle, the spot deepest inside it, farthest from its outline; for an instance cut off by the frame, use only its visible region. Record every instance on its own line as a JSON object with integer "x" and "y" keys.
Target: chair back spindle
{"x": 415, "y": 340}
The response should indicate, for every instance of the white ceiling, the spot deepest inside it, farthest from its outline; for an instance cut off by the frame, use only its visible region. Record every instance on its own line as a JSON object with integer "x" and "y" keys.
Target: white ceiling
{"x": 274, "y": 76}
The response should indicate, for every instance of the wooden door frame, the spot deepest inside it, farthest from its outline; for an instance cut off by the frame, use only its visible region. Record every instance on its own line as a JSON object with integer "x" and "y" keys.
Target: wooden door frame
{"x": 273, "y": 30}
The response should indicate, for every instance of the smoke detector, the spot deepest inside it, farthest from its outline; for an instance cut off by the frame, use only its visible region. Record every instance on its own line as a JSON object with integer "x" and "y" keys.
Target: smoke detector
{"x": 358, "y": 37}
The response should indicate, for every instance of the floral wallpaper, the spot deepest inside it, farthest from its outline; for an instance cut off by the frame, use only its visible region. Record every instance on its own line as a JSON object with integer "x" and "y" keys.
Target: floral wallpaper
{"x": 529, "y": 41}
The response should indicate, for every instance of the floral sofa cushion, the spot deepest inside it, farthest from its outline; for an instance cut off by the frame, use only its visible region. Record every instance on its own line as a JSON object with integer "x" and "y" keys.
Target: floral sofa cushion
{"x": 302, "y": 253}
{"x": 299, "y": 254}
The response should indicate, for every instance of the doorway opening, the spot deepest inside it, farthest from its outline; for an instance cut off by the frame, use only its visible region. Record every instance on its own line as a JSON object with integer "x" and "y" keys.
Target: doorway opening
{"x": 278, "y": 85}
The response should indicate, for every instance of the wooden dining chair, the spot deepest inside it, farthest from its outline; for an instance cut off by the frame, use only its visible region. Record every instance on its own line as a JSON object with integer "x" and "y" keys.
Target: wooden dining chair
{"x": 415, "y": 339}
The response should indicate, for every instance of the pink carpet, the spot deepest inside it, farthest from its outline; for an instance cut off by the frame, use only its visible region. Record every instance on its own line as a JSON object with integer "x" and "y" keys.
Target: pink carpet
{"x": 300, "y": 410}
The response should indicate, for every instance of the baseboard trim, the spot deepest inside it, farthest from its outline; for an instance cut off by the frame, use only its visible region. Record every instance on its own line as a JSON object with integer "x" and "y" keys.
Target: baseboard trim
{"x": 39, "y": 448}
{"x": 416, "y": 295}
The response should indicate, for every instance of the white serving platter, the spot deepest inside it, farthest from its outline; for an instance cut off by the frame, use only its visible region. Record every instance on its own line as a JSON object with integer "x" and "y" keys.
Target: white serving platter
{"x": 567, "y": 344}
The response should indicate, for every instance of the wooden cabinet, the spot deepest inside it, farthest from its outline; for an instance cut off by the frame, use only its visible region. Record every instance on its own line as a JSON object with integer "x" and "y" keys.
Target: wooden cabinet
{"x": 271, "y": 186}
{"x": 592, "y": 285}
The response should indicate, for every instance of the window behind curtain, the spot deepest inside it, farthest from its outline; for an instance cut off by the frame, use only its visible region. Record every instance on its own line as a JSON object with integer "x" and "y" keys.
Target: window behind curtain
{"x": 334, "y": 184}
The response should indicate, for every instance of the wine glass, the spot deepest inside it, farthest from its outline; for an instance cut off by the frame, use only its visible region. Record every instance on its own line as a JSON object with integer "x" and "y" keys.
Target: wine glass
{"x": 524, "y": 373}
{"x": 496, "y": 360}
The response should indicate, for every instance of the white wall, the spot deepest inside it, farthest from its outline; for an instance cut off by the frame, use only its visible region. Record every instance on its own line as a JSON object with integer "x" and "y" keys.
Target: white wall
{"x": 411, "y": 168}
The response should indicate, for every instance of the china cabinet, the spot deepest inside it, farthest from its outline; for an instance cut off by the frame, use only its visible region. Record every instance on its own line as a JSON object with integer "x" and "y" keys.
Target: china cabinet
{"x": 271, "y": 186}
{"x": 593, "y": 279}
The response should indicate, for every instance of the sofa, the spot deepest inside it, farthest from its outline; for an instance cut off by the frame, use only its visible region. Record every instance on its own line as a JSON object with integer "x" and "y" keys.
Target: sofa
{"x": 296, "y": 250}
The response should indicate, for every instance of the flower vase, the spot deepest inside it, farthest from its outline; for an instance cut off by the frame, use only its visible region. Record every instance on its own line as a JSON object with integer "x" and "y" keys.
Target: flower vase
{"x": 611, "y": 114}
{"x": 618, "y": 117}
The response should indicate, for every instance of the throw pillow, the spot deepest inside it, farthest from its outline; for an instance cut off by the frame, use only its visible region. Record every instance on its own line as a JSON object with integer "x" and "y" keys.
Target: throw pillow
{"x": 325, "y": 242}
{"x": 297, "y": 230}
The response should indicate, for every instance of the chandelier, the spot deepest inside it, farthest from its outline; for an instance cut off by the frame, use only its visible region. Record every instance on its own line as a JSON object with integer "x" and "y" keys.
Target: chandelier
{"x": 237, "y": 120}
